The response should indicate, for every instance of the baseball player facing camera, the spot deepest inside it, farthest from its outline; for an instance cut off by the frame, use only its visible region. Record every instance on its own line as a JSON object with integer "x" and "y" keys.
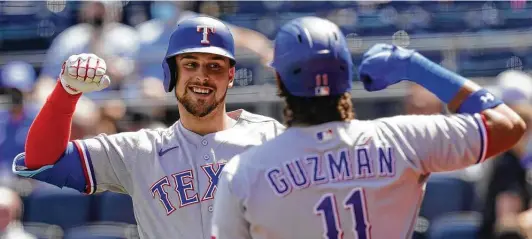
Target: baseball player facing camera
{"x": 171, "y": 174}
{"x": 331, "y": 176}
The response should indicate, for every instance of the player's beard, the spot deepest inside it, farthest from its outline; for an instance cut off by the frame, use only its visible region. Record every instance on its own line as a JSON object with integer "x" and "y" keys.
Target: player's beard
{"x": 199, "y": 107}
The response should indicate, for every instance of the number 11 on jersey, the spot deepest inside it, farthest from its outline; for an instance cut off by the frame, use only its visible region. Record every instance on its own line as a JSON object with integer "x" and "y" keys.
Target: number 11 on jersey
{"x": 355, "y": 202}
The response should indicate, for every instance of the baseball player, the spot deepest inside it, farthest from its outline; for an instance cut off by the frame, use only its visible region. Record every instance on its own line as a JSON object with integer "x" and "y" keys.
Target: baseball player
{"x": 171, "y": 174}
{"x": 331, "y": 176}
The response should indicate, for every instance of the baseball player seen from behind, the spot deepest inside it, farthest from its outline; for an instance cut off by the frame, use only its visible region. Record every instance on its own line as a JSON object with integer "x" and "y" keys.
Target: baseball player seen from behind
{"x": 331, "y": 176}
{"x": 171, "y": 174}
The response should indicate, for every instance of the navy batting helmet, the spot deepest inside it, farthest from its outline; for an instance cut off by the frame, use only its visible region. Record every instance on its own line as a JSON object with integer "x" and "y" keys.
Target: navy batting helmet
{"x": 197, "y": 35}
{"x": 312, "y": 58}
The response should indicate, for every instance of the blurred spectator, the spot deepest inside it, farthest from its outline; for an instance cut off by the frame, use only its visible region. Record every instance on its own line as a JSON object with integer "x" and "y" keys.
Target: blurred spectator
{"x": 421, "y": 101}
{"x": 508, "y": 190}
{"x": 11, "y": 208}
{"x": 110, "y": 114}
{"x": 86, "y": 119}
{"x": 99, "y": 32}
{"x": 16, "y": 115}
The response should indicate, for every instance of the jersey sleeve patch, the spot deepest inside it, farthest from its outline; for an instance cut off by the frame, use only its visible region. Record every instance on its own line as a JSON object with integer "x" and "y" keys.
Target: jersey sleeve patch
{"x": 484, "y": 139}
{"x": 86, "y": 163}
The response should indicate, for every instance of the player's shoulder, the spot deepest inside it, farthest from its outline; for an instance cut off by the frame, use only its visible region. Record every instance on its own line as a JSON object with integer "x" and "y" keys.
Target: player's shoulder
{"x": 251, "y": 120}
{"x": 395, "y": 126}
{"x": 159, "y": 134}
{"x": 263, "y": 155}
{"x": 242, "y": 170}
{"x": 248, "y": 117}
{"x": 418, "y": 119}
{"x": 142, "y": 138}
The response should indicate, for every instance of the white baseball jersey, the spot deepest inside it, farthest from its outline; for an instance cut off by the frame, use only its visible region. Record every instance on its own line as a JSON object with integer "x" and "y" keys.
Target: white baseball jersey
{"x": 358, "y": 179}
{"x": 171, "y": 174}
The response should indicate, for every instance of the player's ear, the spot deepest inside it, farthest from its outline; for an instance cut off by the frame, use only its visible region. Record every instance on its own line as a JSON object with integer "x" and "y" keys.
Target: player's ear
{"x": 231, "y": 77}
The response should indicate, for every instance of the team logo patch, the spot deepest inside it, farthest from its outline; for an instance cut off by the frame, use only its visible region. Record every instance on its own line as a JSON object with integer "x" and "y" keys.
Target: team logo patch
{"x": 325, "y": 135}
{"x": 205, "y": 31}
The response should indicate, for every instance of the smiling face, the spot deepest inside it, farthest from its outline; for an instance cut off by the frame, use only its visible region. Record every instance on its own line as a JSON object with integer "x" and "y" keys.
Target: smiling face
{"x": 202, "y": 83}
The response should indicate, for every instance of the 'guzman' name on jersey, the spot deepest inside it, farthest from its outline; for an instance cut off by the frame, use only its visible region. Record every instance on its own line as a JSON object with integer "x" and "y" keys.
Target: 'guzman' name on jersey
{"x": 360, "y": 179}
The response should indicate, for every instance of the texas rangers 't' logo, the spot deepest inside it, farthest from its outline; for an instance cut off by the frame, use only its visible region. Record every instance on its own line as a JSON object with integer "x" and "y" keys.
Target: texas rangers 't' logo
{"x": 205, "y": 31}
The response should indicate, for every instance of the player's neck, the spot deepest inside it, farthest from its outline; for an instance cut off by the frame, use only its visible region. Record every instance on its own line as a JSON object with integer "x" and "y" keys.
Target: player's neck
{"x": 216, "y": 121}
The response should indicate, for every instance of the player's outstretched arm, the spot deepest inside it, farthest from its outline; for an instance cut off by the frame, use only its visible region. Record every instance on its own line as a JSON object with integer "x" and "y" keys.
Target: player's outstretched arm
{"x": 384, "y": 65}
{"x": 49, "y": 156}
{"x": 49, "y": 133}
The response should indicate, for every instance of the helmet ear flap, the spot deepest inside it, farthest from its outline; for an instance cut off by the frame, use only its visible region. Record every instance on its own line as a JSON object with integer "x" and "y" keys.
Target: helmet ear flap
{"x": 170, "y": 74}
{"x": 173, "y": 70}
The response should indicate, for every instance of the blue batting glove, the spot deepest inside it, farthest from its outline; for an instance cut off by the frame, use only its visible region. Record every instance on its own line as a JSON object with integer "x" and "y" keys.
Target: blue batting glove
{"x": 384, "y": 65}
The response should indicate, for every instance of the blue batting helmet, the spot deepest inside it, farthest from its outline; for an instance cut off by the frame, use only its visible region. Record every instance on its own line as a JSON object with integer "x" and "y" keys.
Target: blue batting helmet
{"x": 197, "y": 35}
{"x": 19, "y": 75}
{"x": 312, "y": 58}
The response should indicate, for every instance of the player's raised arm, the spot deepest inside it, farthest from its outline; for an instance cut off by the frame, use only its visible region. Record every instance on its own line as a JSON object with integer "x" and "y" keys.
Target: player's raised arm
{"x": 485, "y": 126}
{"x": 49, "y": 134}
{"x": 48, "y": 137}
{"x": 503, "y": 125}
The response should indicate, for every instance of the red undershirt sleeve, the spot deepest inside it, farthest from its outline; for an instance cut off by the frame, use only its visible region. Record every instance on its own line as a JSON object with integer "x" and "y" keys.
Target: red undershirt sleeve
{"x": 49, "y": 133}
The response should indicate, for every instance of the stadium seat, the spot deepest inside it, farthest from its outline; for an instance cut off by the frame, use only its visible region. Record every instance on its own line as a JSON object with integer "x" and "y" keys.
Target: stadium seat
{"x": 65, "y": 208}
{"x": 103, "y": 231}
{"x": 455, "y": 226}
{"x": 43, "y": 230}
{"x": 114, "y": 207}
{"x": 444, "y": 194}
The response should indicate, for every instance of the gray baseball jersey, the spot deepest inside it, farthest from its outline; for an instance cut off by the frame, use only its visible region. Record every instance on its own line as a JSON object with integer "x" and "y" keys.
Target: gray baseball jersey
{"x": 171, "y": 174}
{"x": 358, "y": 179}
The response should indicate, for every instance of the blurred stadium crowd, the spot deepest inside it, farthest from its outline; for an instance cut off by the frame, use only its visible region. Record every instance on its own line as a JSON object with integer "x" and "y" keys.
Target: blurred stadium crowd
{"x": 479, "y": 40}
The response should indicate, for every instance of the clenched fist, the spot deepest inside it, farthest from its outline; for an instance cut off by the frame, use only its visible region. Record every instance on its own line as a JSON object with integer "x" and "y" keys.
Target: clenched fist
{"x": 384, "y": 65}
{"x": 84, "y": 73}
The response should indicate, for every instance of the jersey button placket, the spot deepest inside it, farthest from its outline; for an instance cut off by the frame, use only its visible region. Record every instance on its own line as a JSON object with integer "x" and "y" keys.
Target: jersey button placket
{"x": 205, "y": 143}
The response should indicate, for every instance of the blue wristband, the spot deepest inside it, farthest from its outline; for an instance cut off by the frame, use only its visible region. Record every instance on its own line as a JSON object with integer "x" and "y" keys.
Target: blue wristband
{"x": 479, "y": 101}
{"x": 444, "y": 83}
